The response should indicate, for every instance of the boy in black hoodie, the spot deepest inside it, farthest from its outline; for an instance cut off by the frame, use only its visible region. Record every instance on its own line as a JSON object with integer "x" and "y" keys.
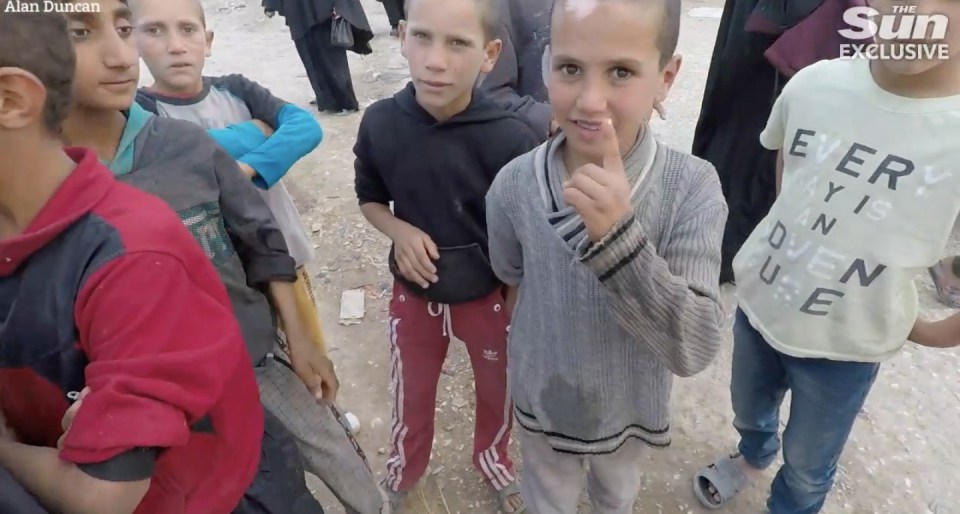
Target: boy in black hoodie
{"x": 433, "y": 150}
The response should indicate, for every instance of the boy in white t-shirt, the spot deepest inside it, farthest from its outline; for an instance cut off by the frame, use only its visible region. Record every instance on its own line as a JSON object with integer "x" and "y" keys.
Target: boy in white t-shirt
{"x": 869, "y": 191}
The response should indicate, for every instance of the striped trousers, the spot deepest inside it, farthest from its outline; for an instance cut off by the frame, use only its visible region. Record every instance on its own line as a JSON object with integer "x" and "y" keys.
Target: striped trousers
{"x": 420, "y": 334}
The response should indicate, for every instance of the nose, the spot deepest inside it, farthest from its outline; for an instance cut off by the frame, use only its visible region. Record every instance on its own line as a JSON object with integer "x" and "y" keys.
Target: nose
{"x": 436, "y": 59}
{"x": 593, "y": 96}
{"x": 118, "y": 52}
{"x": 175, "y": 44}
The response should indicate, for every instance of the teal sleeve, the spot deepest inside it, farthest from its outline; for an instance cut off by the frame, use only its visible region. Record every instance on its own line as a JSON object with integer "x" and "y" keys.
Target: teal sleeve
{"x": 297, "y": 134}
{"x": 239, "y": 139}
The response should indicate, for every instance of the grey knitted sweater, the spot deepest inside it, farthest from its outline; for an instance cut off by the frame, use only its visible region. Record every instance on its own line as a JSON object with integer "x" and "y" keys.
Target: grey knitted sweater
{"x": 599, "y": 330}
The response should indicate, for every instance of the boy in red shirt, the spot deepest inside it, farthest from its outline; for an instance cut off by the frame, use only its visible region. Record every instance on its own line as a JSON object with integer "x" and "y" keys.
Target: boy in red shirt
{"x": 102, "y": 288}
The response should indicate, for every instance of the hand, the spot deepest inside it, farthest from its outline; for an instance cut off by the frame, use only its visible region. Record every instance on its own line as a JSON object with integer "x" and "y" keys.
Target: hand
{"x": 313, "y": 367}
{"x": 935, "y": 334}
{"x": 247, "y": 170}
{"x": 68, "y": 416}
{"x": 264, "y": 127}
{"x": 601, "y": 195}
{"x": 415, "y": 253}
{"x": 269, "y": 13}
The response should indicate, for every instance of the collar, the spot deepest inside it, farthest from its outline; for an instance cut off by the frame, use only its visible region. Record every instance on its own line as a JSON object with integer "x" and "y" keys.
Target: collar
{"x": 174, "y": 99}
{"x": 122, "y": 162}
{"x": 79, "y": 193}
{"x": 480, "y": 108}
{"x": 551, "y": 174}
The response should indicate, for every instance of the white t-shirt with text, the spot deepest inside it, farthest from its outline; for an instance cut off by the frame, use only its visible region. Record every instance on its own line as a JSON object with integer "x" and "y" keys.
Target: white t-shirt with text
{"x": 870, "y": 192}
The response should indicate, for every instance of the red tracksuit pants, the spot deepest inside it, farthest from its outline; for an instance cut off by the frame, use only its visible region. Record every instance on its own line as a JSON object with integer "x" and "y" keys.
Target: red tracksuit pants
{"x": 420, "y": 333}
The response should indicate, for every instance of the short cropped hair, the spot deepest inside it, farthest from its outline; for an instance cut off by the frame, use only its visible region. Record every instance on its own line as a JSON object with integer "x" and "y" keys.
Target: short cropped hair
{"x": 196, "y": 4}
{"x": 669, "y": 33}
{"x": 38, "y": 42}
{"x": 489, "y": 11}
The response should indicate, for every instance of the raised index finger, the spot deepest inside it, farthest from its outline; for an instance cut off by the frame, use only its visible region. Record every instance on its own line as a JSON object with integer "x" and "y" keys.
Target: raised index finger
{"x": 612, "y": 161}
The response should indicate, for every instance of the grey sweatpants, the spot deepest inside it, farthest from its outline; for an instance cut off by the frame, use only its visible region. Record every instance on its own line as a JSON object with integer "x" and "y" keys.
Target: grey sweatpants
{"x": 329, "y": 452}
{"x": 552, "y": 482}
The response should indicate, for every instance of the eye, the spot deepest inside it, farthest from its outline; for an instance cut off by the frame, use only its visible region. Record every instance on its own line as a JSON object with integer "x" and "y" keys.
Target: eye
{"x": 124, "y": 31}
{"x": 459, "y": 42}
{"x": 568, "y": 69}
{"x": 189, "y": 30}
{"x": 620, "y": 73}
{"x": 79, "y": 33}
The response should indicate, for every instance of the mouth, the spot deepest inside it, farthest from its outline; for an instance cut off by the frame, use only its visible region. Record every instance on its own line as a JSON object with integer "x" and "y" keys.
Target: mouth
{"x": 180, "y": 66}
{"x": 434, "y": 84}
{"x": 119, "y": 85}
{"x": 590, "y": 126}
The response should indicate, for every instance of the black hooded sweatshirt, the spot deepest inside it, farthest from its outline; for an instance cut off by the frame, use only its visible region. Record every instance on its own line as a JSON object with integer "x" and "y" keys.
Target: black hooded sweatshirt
{"x": 437, "y": 174}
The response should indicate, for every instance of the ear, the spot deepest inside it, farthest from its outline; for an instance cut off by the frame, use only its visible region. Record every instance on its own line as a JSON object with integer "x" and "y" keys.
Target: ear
{"x": 668, "y": 74}
{"x": 492, "y": 50}
{"x": 22, "y": 98}
{"x": 402, "y": 29}
{"x": 209, "y": 50}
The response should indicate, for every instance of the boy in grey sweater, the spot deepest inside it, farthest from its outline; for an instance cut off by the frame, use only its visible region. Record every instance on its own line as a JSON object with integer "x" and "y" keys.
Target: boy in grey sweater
{"x": 617, "y": 260}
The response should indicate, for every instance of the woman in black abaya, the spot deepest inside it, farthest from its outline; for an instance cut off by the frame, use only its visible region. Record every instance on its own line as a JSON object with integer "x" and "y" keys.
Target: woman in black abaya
{"x": 741, "y": 88}
{"x": 312, "y": 23}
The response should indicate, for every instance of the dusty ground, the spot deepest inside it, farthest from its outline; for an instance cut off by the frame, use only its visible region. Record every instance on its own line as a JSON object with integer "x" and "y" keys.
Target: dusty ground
{"x": 904, "y": 450}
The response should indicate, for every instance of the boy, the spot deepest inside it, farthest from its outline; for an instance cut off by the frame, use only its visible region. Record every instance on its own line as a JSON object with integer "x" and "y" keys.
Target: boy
{"x": 180, "y": 164}
{"x": 614, "y": 242}
{"x": 433, "y": 150}
{"x": 173, "y": 40}
{"x": 826, "y": 282}
{"x": 516, "y": 79}
{"x": 101, "y": 286}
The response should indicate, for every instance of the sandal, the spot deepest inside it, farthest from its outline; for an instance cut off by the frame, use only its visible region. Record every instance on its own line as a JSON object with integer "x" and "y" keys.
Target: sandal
{"x": 727, "y": 479}
{"x": 503, "y": 499}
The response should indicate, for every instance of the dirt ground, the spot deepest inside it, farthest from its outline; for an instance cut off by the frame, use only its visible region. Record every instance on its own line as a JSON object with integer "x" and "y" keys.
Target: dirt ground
{"x": 901, "y": 458}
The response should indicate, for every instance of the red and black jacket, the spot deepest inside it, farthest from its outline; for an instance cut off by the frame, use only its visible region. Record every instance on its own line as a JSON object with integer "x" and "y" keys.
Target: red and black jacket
{"x": 106, "y": 289}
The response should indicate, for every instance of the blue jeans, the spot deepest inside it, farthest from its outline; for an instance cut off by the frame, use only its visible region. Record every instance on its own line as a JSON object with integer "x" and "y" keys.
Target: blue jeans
{"x": 826, "y": 397}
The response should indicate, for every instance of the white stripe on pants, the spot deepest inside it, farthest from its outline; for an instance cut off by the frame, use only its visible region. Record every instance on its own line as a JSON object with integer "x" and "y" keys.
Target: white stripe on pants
{"x": 552, "y": 481}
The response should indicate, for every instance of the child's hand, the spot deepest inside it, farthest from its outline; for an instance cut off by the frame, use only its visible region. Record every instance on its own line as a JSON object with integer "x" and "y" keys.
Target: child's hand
{"x": 935, "y": 334}
{"x": 415, "y": 253}
{"x": 68, "y": 416}
{"x": 313, "y": 367}
{"x": 601, "y": 195}
{"x": 247, "y": 170}
{"x": 263, "y": 126}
